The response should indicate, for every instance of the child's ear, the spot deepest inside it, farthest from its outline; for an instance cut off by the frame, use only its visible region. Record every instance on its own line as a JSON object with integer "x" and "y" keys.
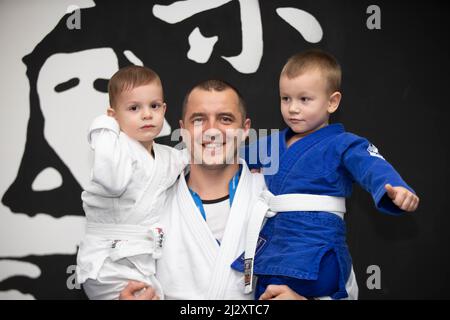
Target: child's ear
{"x": 335, "y": 99}
{"x": 111, "y": 112}
{"x": 164, "y": 108}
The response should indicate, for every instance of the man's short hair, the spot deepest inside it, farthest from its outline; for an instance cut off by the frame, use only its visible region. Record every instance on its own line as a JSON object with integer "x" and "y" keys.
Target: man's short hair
{"x": 315, "y": 59}
{"x": 216, "y": 85}
{"x": 128, "y": 78}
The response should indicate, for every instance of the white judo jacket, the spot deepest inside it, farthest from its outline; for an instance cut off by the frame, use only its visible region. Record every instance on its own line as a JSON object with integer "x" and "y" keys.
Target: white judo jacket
{"x": 122, "y": 199}
{"x": 193, "y": 265}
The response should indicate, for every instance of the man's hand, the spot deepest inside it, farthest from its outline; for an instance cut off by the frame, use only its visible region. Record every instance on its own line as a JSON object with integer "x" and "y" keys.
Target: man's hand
{"x": 280, "y": 292}
{"x": 138, "y": 291}
{"x": 402, "y": 198}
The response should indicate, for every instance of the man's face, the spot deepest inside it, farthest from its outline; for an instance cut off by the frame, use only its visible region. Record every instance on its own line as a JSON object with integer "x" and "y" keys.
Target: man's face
{"x": 214, "y": 127}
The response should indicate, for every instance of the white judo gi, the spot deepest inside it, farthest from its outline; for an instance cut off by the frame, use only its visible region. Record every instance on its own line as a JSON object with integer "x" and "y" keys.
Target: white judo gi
{"x": 193, "y": 265}
{"x": 122, "y": 205}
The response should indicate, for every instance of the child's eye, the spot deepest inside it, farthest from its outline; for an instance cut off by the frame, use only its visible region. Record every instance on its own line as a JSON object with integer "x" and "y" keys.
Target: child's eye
{"x": 133, "y": 108}
{"x": 305, "y": 99}
{"x": 156, "y": 106}
{"x": 285, "y": 99}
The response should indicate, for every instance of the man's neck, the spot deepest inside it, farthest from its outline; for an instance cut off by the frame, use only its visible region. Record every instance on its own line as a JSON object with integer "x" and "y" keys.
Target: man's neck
{"x": 211, "y": 183}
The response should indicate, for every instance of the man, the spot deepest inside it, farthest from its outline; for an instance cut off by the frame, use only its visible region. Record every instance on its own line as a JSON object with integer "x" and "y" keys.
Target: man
{"x": 207, "y": 211}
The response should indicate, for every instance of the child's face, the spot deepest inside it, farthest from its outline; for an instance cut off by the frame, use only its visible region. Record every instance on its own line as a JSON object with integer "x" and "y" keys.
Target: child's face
{"x": 305, "y": 102}
{"x": 140, "y": 112}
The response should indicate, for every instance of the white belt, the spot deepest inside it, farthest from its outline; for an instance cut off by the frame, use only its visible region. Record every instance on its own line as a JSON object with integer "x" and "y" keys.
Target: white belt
{"x": 119, "y": 232}
{"x": 268, "y": 205}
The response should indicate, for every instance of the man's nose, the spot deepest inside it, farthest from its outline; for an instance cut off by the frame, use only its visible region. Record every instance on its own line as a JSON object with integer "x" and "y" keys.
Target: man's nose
{"x": 212, "y": 123}
{"x": 212, "y": 134}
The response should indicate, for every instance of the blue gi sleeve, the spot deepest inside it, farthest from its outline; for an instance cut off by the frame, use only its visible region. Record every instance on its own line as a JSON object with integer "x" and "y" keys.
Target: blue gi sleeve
{"x": 367, "y": 167}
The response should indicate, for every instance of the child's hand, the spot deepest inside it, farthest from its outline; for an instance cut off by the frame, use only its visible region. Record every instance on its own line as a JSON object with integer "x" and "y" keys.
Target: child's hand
{"x": 402, "y": 198}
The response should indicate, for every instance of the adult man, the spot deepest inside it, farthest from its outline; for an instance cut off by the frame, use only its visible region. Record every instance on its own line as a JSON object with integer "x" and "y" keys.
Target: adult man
{"x": 198, "y": 252}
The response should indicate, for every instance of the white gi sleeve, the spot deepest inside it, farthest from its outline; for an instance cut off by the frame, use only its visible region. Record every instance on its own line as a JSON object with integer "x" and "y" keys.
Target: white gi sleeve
{"x": 113, "y": 163}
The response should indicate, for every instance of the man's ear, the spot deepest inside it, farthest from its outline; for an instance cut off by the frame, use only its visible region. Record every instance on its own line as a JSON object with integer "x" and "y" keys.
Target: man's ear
{"x": 247, "y": 125}
{"x": 334, "y": 101}
{"x": 111, "y": 112}
{"x": 181, "y": 124}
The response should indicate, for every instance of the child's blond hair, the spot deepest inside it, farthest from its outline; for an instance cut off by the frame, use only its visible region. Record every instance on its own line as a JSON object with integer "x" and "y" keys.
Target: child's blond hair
{"x": 315, "y": 59}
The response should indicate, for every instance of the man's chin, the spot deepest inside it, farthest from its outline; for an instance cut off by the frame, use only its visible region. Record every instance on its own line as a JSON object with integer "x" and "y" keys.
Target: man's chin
{"x": 213, "y": 166}
{"x": 214, "y": 162}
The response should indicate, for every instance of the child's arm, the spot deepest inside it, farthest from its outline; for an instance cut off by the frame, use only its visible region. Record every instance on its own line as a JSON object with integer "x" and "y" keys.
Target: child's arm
{"x": 390, "y": 193}
{"x": 113, "y": 165}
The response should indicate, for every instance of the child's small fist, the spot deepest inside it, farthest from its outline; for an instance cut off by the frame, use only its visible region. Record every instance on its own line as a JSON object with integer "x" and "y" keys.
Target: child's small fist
{"x": 402, "y": 198}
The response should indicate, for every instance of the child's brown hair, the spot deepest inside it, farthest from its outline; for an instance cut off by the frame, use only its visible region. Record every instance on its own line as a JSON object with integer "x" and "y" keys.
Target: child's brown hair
{"x": 128, "y": 78}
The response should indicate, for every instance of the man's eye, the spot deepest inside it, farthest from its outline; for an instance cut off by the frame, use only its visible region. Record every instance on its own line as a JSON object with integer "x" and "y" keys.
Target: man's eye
{"x": 227, "y": 120}
{"x": 197, "y": 122}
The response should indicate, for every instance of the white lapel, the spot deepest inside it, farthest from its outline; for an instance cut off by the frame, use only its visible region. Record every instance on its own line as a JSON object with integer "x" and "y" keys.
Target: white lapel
{"x": 232, "y": 241}
{"x": 197, "y": 225}
{"x": 155, "y": 184}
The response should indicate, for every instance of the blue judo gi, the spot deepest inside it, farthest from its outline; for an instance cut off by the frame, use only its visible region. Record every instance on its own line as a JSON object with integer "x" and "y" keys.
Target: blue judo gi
{"x": 307, "y": 250}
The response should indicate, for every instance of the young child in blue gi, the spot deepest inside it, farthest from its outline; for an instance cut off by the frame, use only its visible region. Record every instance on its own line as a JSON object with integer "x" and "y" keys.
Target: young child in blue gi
{"x": 304, "y": 245}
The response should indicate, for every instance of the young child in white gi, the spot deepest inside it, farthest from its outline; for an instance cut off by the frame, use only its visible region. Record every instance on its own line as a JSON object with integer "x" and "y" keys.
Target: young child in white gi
{"x": 127, "y": 187}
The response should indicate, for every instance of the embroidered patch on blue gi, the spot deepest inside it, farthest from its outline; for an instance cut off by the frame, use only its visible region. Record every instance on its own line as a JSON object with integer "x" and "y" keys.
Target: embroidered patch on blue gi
{"x": 373, "y": 151}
